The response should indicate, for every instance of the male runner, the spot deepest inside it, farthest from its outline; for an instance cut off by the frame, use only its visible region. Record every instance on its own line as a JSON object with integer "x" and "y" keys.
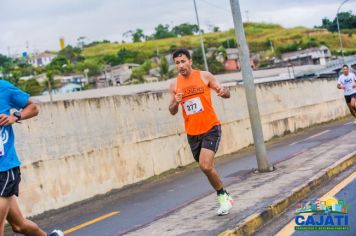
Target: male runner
{"x": 13, "y": 98}
{"x": 347, "y": 82}
{"x": 191, "y": 89}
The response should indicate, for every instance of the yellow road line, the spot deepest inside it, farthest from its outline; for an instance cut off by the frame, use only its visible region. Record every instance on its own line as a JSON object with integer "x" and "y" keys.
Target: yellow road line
{"x": 289, "y": 228}
{"x": 68, "y": 231}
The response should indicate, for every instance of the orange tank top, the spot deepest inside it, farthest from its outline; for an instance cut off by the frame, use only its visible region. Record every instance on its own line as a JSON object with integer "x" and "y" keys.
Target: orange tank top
{"x": 198, "y": 112}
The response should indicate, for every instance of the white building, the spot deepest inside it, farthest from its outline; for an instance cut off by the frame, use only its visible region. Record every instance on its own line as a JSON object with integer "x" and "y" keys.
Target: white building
{"x": 119, "y": 74}
{"x": 310, "y": 56}
{"x": 41, "y": 59}
{"x": 76, "y": 79}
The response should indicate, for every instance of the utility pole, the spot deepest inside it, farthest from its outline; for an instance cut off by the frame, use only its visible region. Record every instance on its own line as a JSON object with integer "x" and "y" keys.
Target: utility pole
{"x": 201, "y": 38}
{"x": 338, "y": 29}
{"x": 250, "y": 89}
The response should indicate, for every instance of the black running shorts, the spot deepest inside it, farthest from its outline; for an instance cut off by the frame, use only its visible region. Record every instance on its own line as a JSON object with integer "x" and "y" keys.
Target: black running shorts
{"x": 209, "y": 140}
{"x": 348, "y": 97}
{"x": 9, "y": 182}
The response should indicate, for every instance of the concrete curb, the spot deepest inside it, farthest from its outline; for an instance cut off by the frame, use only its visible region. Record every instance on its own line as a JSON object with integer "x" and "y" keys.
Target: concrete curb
{"x": 255, "y": 221}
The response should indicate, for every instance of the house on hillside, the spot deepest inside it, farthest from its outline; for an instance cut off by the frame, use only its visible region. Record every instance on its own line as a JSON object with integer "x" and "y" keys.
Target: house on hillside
{"x": 79, "y": 79}
{"x": 232, "y": 60}
{"x": 232, "y": 53}
{"x": 310, "y": 56}
{"x": 41, "y": 78}
{"x": 67, "y": 88}
{"x": 116, "y": 75}
{"x": 67, "y": 84}
{"x": 41, "y": 59}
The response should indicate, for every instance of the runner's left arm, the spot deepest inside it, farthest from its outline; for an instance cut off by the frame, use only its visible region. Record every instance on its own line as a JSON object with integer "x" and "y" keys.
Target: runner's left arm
{"x": 29, "y": 111}
{"x": 216, "y": 86}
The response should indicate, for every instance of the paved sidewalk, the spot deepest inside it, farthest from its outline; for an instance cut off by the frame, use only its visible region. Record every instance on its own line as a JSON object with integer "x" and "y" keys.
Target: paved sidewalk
{"x": 260, "y": 196}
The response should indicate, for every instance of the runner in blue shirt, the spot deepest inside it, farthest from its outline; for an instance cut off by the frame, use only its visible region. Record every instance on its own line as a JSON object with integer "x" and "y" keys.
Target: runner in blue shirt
{"x": 12, "y": 98}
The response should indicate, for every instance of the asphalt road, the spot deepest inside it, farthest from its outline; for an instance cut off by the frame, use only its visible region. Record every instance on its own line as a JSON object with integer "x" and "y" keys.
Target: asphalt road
{"x": 135, "y": 206}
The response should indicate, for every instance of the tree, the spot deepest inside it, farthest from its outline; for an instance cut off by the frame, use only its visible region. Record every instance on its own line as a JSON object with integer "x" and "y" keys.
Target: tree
{"x": 346, "y": 21}
{"x": 230, "y": 43}
{"x": 162, "y": 31}
{"x": 25, "y": 69}
{"x": 111, "y": 60}
{"x": 96, "y": 43}
{"x": 124, "y": 55}
{"x": 137, "y": 75}
{"x": 216, "y": 29}
{"x": 326, "y": 23}
{"x": 164, "y": 69}
{"x": 185, "y": 29}
{"x": 4, "y": 60}
{"x": 215, "y": 66}
{"x": 61, "y": 65}
{"x": 51, "y": 83}
{"x": 221, "y": 51}
{"x": 72, "y": 54}
{"x": 213, "y": 28}
{"x": 298, "y": 45}
{"x": 138, "y": 35}
{"x": 146, "y": 66}
{"x": 197, "y": 57}
{"x": 31, "y": 86}
{"x": 94, "y": 68}
{"x": 6, "y": 64}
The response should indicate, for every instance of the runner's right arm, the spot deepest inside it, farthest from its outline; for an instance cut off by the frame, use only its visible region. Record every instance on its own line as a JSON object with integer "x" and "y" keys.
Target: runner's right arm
{"x": 175, "y": 98}
{"x": 339, "y": 84}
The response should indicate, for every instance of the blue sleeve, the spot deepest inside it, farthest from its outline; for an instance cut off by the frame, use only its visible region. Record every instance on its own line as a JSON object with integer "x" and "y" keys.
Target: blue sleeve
{"x": 18, "y": 98}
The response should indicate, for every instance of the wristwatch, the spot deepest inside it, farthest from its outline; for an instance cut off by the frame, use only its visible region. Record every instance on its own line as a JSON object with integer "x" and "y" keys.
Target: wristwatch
{"x": 17, "y": 114}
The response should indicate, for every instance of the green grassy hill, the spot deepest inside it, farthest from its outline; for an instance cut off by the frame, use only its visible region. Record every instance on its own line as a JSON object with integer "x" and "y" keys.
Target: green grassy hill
{"x": 259, "y": 36}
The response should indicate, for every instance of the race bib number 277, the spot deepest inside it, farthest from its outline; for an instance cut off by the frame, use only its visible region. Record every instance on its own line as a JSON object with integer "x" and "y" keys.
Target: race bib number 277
{"x": 193, "y": 106}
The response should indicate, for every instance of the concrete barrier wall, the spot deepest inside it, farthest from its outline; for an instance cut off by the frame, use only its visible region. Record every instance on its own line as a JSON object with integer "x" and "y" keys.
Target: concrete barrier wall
{"x": 77, "y": 149}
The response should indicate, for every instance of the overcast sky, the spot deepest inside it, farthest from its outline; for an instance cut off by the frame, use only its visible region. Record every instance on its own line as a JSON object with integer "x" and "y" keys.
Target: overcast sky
{"x": 39, "y": 24}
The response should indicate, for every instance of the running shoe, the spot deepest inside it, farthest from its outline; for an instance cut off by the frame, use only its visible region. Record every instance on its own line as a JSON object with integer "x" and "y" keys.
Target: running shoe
{"x": 225, "y": 202}
{"x": 56, "y": 232}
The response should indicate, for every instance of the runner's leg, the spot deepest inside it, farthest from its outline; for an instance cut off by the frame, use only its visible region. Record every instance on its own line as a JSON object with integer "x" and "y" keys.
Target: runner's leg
{"x": 4, "y": 209}
{"x": 206, "y": 164}
{"x": 353, "y": 104}
{"x": 19, "y": 224}
{"x": 352, "y": 109}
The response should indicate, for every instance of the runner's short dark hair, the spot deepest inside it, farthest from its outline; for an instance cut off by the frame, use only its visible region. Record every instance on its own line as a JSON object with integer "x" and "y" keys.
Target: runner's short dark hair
{"x": 345, "y": 66}
{"x": 181, "y": 51}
